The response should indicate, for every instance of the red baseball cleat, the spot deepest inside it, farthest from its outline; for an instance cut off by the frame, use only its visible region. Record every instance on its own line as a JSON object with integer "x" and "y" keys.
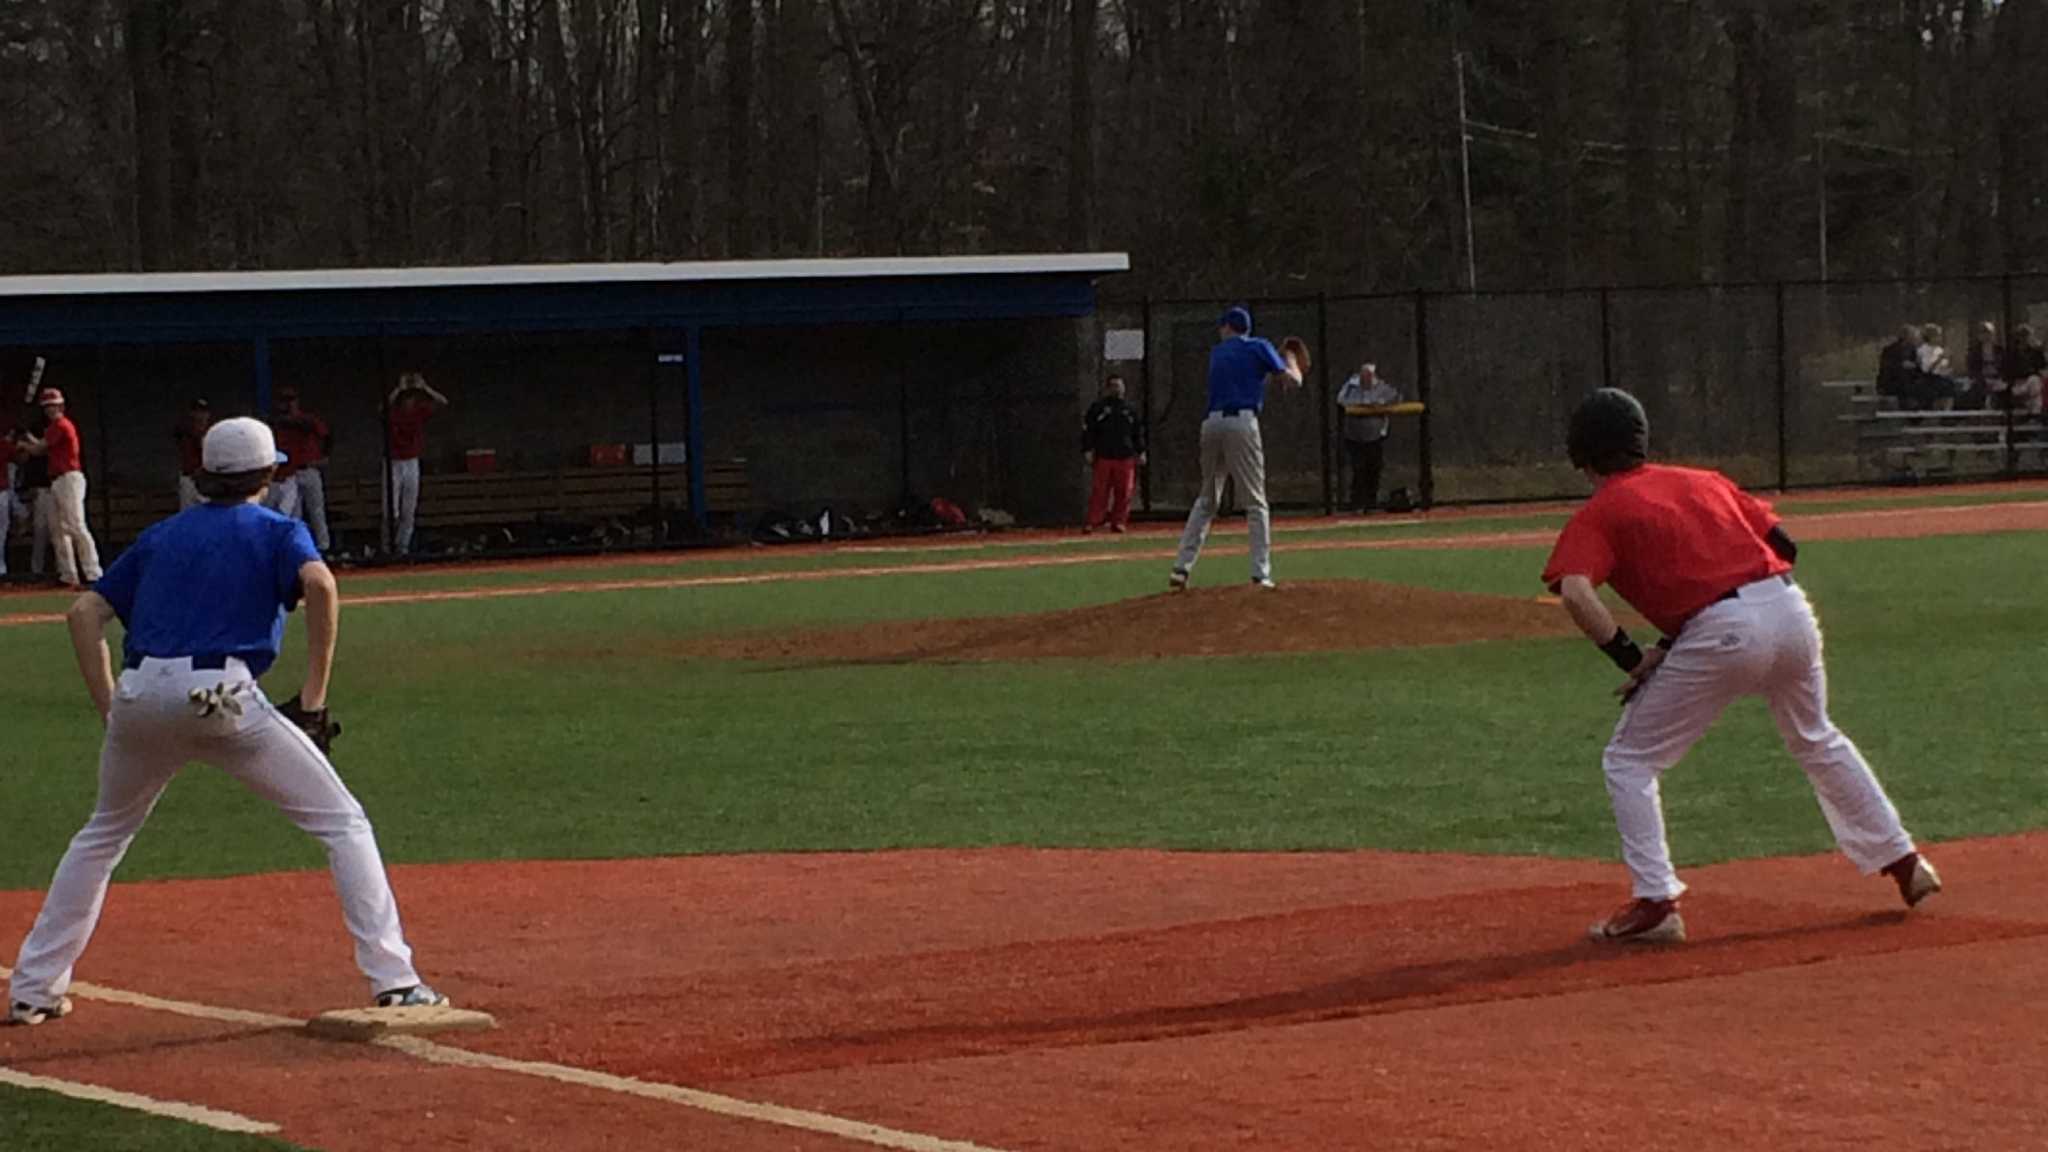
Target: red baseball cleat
{"x": 1642, "y": 922}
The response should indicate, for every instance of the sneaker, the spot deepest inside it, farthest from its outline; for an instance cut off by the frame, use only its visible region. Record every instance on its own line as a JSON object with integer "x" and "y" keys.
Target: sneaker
{"x": 1263, "y": 582}
{"x": 417, "y": 996}
{"x": 1178, "y": 582}
{"x": 1642, "y": 922}
{"x": 1916, "y": 878}
{"x": 22, "y": 1012}
{"x": 1118, "y": 529}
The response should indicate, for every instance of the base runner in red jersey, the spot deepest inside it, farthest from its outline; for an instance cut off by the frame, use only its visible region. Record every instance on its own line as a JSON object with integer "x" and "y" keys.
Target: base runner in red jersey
{"x": 1711, "y": 567}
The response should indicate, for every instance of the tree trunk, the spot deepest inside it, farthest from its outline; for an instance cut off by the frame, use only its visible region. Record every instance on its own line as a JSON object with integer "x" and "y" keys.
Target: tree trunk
{"x": 1081, "y": 129}
{"x": 1645, "y": 72}
{"x": 147, "y": 33}
{"x": 680, "y": 180}
{"x": 739, "y": 127}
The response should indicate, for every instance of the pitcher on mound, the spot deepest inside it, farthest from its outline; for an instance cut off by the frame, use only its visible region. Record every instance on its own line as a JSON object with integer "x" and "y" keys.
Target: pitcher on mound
{"x": 1240, "y": 367}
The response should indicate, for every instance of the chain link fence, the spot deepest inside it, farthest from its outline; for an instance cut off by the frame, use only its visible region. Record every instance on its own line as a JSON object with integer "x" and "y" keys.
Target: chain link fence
{"x": 580, "y": 440}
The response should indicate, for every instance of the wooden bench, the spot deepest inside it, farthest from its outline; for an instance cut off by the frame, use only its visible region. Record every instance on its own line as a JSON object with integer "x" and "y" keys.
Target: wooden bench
{"x": 617, "y": 502}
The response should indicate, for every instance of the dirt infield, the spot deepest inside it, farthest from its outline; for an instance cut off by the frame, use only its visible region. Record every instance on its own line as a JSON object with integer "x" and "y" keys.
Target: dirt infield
{"x": 1312, "y": 616}
{"x": 1016, "y": 999}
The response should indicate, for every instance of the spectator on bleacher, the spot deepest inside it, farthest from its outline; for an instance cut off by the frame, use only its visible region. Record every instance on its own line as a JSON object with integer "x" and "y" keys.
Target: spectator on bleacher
{"x": 1898, "y": 368}
{"x": 188, "y": 435}
{"x": 1937, "y": 384}
{"x": 410, "y": 405}
{"x": 305, "y": 442}
{"x": 2026, "y": 365}
{"x": 1984, "y": 363}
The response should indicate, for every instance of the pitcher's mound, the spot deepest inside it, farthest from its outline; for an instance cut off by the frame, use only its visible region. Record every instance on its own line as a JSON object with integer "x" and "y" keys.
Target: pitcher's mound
{"x": 1312, "y": 616}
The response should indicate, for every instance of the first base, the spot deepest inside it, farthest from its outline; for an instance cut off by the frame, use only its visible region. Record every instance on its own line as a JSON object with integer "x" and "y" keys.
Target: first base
{"x": 365, "y": 1024}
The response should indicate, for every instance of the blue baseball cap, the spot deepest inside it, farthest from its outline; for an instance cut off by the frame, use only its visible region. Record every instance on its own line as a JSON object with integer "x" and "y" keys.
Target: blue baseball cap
{"x": 1238, "y": 320}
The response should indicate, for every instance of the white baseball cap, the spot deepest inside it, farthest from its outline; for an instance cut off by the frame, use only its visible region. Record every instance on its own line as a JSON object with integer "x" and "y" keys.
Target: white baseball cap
{"x": 240, "y": 444}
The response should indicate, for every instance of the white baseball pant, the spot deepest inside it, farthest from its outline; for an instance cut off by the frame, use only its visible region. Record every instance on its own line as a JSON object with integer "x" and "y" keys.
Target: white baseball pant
{"x": 404, "y": 478}
{"x": 188, "y": 494}
{"x": 1231, "y": 449}
{"x": 1764, "y": 642}
{"x": 313, "y": 504}
{"x": 283, "y": 496}
{"x": 77, "y": 555}
{"x": 153, "y": 730}
{"x": 41, "y": 516}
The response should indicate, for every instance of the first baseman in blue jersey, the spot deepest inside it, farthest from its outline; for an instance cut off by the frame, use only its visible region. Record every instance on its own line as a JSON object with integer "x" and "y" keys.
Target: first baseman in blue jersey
{"x": 1240, "y": 366}
{"x": 203, "y": 598}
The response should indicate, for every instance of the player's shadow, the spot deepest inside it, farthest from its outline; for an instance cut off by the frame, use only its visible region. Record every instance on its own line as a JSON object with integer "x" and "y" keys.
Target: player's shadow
{"x": 1521, "y": 975}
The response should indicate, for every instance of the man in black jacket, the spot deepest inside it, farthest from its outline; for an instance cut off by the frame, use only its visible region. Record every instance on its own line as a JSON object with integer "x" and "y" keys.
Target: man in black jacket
{"x": 1113, "y": 441}
{"x": 1898, "y": 369}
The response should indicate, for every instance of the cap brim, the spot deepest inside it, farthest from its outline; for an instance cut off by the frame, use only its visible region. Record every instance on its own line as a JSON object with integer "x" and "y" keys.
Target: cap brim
{"x": 283, "y": 459}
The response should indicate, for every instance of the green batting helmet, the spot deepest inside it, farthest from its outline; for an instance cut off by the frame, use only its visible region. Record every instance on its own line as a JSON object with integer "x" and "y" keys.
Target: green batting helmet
{"x": 1609, "y": 432}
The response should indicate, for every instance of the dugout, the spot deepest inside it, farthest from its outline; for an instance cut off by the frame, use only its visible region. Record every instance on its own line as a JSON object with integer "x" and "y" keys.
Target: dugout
{"x": 593, "y": 405}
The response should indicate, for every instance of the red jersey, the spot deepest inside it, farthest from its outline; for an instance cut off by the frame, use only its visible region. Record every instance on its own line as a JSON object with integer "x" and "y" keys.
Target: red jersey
{"x": 1670, "y": 540}
{"x": 409, "y": 430}
{"x": 62, "y": 439}
{"x": 191, "y": 454}
{"x": 302, "y": 439}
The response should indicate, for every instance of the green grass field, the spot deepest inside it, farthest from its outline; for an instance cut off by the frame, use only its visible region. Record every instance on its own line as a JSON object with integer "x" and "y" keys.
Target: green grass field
{"x": 563, "y": 726}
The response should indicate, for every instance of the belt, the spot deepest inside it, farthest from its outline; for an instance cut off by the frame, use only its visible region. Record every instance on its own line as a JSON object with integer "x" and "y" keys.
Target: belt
{"x": 1232, "y": 411}
{"x": 201, "y": 661}
{"x": 1734, "y": 593}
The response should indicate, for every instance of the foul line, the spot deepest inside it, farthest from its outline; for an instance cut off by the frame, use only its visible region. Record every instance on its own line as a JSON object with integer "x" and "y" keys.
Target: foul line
{"x": 189, "y": 1113}
{"x": 776, "y": 1114}
{"x": 426, "y": 1050}
{"x": 1505, "y": 539}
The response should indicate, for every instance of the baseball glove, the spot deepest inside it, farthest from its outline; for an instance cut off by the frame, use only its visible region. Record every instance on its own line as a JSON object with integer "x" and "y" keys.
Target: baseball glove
{"x": 315, "y": 723}
{"x": 1295, "y": 349}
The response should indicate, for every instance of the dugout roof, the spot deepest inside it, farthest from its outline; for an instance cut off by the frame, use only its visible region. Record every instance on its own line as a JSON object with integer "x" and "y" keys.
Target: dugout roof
{"x": 178, "y": 307}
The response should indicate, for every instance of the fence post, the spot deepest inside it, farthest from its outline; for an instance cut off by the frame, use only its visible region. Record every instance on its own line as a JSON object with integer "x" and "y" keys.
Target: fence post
{"x": 651, "y": 368}
{"x": 693, "y": 422}
{"x": 1606, "y": 339}
{"x": 1145, "y": 399}
{"x": 387, "y": 532}
{"x": 2012, "y": 449}
{"x": 1425, "y": 464}
{"x": 1784, "y": 393}
{"x": 99, "y": 404}
{"x": 1323, "y": 383}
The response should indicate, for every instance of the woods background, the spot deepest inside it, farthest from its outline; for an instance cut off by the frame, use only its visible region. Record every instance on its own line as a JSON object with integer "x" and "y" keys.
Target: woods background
{"x": 1232, "y": 146}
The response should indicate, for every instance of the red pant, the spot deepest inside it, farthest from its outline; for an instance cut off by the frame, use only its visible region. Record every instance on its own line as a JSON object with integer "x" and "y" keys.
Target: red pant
{"x": 1114, "y": 481}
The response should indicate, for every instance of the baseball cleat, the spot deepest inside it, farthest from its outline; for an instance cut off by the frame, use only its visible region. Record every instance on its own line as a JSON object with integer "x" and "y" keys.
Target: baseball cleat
{"x": 1263, "y": 582}
{"x": 1178, "y": 582}
{"x": 22, "y": 1012}
{"x": 1916, "y": 878}
{"x": 417, "y": 996}
{"x": 1642, "y": 922}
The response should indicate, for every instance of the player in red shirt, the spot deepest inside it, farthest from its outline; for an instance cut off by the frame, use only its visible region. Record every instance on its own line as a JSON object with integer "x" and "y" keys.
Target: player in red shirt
{"x": 1711, "y": 567}
{"x": 77, "y": 555}
{"x": 300, "y": 489}
{"x": 409, "y": 406}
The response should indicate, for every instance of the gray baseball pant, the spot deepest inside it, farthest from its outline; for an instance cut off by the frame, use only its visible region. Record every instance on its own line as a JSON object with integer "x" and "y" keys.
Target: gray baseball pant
{"x": 1231, "y": 449}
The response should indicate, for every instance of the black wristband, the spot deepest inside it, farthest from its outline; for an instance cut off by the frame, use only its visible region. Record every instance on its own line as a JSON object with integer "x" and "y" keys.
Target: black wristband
{"x": 1622, "y": 650}
{"x": 1664, "y": 643}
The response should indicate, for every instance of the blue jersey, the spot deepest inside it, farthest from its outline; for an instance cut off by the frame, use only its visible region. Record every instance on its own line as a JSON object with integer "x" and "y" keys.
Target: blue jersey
{"x": 215, "y": 579}
{"x": 1238, "y": 368}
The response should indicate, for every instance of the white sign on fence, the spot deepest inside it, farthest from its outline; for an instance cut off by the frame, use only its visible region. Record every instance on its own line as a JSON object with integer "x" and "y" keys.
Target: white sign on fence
{"x": 1123, "y": 344}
